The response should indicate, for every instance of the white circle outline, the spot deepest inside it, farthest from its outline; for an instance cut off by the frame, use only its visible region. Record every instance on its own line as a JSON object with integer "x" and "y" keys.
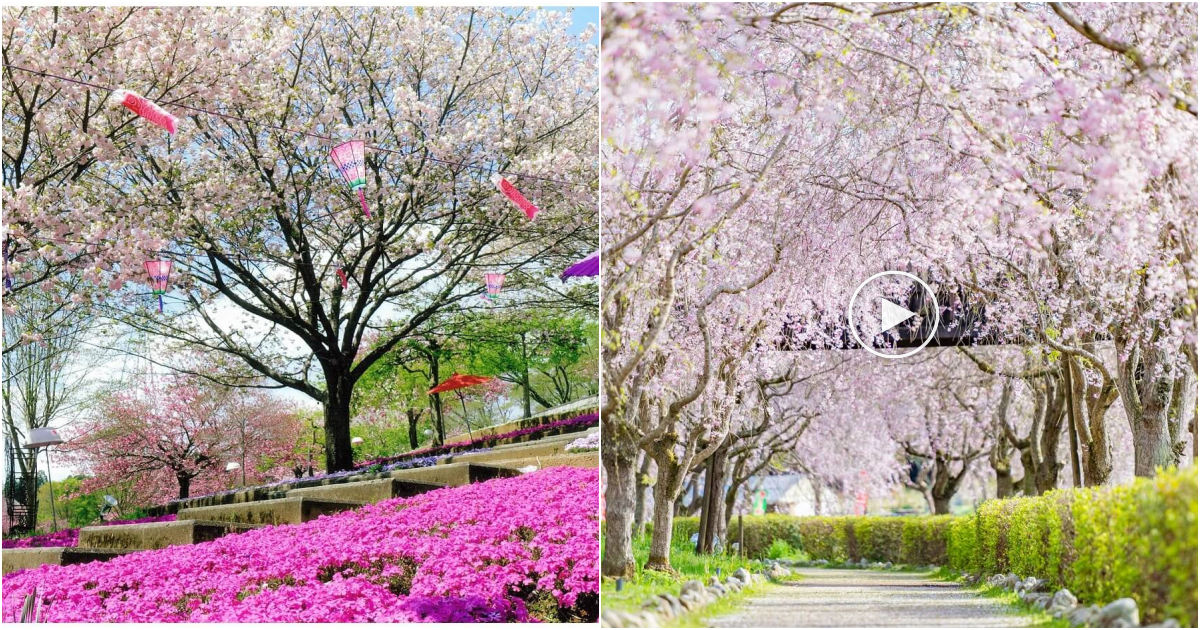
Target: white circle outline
{"x": 937, "y": 315}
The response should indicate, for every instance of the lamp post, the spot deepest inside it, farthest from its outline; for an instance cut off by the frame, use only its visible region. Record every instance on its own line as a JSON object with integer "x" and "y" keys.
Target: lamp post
{"x": 232, "y": 466}
{"x": 45, "y": 437}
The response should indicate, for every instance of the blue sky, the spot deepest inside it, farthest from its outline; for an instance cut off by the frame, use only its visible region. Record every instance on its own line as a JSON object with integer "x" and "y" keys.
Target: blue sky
{"x": 581, "y": 17}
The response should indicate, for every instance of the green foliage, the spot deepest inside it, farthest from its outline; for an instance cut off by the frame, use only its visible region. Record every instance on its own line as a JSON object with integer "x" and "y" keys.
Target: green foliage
{"x": 1137, "y": 540}
{"x": 688, "y": 566}
{"x": 1036, "y": 540}
{"x": 780, "y": 549}
{"x": 877, "y": 538}
{"x": 960, "y": 547}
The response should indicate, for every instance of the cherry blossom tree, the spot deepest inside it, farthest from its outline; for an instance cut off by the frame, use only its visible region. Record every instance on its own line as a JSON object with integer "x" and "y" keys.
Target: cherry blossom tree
{"x": 171, "y": 436}
{"x": 259, "y": 225}
{"x": 1033, "y": 162}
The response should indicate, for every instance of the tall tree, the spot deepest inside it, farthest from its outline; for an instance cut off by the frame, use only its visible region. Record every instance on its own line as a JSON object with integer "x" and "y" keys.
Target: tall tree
{"x": 259, "y": 224}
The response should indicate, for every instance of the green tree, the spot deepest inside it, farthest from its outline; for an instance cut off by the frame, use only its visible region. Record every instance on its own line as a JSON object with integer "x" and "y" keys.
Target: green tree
{"x": 542, "y": 352}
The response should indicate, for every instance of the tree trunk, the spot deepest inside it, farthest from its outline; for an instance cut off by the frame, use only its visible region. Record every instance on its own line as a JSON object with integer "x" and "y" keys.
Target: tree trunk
{"x": 941, "y": 504}
{"x": 413, "y": 419}
{"x": 185, "y": 484}
{"x": 639, "y": 499}
{"x": 666, "y": 488}
{"x": 338, "y": 453}
{"x": 525, "y": 377}
{"x": 1148, "y": 381}
{"x": 1089, "y": 404}
{"x": 619, "y": 456}
{"x": 711, "y": 512}
{"x": 1004, "y": 480}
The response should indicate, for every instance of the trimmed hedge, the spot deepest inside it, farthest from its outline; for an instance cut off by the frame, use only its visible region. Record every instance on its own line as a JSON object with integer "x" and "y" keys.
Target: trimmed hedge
{"x": 1138, "y": 540}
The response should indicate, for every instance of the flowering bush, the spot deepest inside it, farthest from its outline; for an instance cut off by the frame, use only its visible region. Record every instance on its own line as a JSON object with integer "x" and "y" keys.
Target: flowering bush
{"x": 590, "y": 442}
{"x": 585, "y": 420}
{"x": 506, "y": 550}
{"x": 70, "y": 537}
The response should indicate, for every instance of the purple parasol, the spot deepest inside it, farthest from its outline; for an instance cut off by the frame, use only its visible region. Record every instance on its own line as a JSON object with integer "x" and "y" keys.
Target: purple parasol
{"x": 589, "y": 266}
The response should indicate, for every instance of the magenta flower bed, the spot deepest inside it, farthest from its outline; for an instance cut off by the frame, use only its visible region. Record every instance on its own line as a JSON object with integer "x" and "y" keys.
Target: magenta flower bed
{"x": 508, "y": 550}
{"x": 586, "y": 420}
{"x": 70, "y": 537}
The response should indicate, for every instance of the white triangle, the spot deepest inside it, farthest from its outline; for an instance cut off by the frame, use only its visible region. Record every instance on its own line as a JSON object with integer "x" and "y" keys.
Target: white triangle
{"x": 890, "y": 314}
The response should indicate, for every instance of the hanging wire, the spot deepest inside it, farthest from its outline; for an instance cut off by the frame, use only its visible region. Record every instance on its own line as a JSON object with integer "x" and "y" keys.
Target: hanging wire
{"x": 311, "y": 134}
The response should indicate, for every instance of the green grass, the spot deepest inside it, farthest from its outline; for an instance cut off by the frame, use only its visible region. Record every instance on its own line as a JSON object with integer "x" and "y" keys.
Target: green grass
{"x": 1037, "y": 618}
{"x": 690, "y": 566}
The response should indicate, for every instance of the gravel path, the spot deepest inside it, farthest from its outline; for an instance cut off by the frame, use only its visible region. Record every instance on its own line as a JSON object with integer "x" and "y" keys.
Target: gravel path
{"x": 842, "y": 597}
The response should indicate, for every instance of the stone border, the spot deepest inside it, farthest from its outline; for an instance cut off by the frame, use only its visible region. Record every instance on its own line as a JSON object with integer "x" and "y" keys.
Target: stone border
{"x": 1119, "y": 613}
{"x": 659, "y": 610}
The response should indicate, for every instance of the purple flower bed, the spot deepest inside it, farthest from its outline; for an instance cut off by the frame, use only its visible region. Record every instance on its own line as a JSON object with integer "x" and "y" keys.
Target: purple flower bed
{"x": 70, "y": 537}
{"x": 585, "y": 420}
{"x": 508, "y": 550}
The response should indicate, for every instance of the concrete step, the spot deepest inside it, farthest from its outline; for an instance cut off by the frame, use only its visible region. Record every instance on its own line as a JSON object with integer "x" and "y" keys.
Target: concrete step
{"x": 17, "y": 559}
{"x": 372, "y": 491}
{"x": 156, "y": 535}
{"x": 456, "y": 474}
{"x": 576, "y": 460}
{"x": 536, "y": 449}
{"x": 290, "y": 510}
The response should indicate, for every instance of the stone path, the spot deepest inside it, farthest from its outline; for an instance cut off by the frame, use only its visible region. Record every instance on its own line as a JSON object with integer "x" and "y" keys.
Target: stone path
{"x": 846, "y": 597}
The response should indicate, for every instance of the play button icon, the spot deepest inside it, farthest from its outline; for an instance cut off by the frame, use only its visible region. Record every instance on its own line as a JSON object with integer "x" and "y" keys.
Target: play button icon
{"x": 891, "y": 314}
{"x": 887, "y": 288}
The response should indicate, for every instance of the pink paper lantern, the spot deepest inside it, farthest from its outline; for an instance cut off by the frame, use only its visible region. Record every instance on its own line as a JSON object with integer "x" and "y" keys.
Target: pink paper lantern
{"x": 494, "y": 282}
{"x": 515, "y": 196}
{"x": 160, "y": 275}
{"x": 351, "y": 161}
{"x": 147, "y": 109}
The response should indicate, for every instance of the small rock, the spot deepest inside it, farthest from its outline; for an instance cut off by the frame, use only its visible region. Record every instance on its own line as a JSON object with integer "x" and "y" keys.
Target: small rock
{"x": 717, "y": 591}
{"x": 657, "y": 606}
{"x": 996, "y": 580}
{"x": 1169, "y": 622}
{"x": 862, "y": 563}
{"x": 733, "y": 584}
{"x": 691, "y": 586}
{"x": 887, "y": 565}
{"x": 672, "y": 603}
{"x": 777, "y": 572}
{"x": 1031, "y": 585}
{"x": 1062, "y": 603}
{"x": 610, "y": 619}
{"x": 743, "y": 575}
{"x": 1041, "y": 601}
{"x": 1122, "y": 610}
{"x": 1084, "y": 616}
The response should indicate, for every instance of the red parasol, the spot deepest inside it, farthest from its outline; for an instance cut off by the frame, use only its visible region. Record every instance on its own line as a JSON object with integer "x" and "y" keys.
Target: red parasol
{"x": 459, "y": 381}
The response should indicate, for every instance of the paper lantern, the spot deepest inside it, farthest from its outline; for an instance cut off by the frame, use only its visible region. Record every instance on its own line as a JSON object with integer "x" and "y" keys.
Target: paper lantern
{"x": 515, "y": 196}
{"x": 146, "y": 108}
{"x": 589, "y": 266}
{"x": 351, "y": 161}
{"x": 494, "y": 282}
{"x": 160, "y": 274}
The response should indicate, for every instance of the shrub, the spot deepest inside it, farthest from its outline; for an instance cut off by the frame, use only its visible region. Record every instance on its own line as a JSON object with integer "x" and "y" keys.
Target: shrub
{"x": 924, "y": 540}
{"x": 780, "y": 549}
{"x": 877, "y": 538}
{"x": 961, "y": 545}
{"x": 1137, "y": 540}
